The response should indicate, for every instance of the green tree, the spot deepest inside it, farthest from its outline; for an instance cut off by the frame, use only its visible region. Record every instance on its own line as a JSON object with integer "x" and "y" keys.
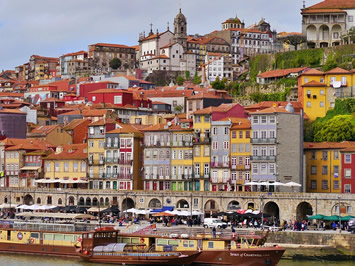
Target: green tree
{"x": 338, "y": 128}
{"x": 330, "y": 64}
{"x": 180, "y": 80}
{"x": 218, "y": 84}
{"x": 115, "y": 63}
{"x": 178, "y": 108}
{"x": 197, "y": 79}
{"x": 187, "y": 74}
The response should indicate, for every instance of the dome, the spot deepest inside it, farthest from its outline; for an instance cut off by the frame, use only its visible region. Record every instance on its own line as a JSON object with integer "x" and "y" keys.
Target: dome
{"x": 235, "y": 20}
{"x": 180, "y": 16}
{"x": 289, "y": 108}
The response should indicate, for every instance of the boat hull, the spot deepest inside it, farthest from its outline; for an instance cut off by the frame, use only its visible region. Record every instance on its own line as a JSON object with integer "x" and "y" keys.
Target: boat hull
{"x": 142, "y": 260}
{"x": 243, "y": 256}
{"x": 52, "y": 250}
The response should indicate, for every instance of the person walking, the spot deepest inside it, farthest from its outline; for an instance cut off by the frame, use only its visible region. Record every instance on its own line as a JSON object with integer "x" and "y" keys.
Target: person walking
{"x": 214, "y": 232}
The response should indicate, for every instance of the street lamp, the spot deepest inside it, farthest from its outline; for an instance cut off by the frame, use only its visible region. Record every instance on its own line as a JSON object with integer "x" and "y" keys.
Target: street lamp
{"x": 339, "y": 214}
{"x": 262, "y": 210}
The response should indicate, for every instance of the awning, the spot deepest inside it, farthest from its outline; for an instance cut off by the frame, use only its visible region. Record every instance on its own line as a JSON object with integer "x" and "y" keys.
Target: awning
{"x": 7, "y": 206}
{"x": 46, "y": 181}
{"x": 49, "y": 181}
{"x": 30, "y": 168}
{"x": 165, "y": 208}
{"x": 95, "y": 209}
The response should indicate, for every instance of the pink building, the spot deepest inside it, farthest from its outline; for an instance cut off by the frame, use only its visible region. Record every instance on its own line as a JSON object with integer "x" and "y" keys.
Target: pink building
{"x": 348, "y": 170}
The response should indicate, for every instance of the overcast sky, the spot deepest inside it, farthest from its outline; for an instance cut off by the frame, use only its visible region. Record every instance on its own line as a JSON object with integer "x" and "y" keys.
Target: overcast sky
{"x": 53, "y": 28}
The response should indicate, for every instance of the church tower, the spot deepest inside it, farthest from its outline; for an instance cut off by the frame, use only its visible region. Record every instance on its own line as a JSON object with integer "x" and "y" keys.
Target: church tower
{"x": 180, "y": 30}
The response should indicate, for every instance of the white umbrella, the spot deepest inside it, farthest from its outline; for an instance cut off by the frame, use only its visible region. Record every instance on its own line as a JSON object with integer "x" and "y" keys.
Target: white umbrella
{"x": 292, "y": 184}
{"x": 132, "y": 210}
{"x": 255, "y": 212}
{"x": 249, "y": 211}
{"x": 23, "y": 206}
{"x": 196, "y": 213}
{"x": 252, "y": 183}
{"x": 263, "y": 184}
{"x": 276, "y": 184}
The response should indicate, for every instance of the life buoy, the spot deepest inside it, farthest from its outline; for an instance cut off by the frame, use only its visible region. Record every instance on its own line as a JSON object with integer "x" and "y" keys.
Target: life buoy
{"x": 79, "y": 239}
{"x": 32, "y": 240}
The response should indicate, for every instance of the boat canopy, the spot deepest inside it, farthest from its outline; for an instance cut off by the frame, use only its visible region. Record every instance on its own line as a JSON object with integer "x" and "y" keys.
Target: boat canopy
{"x": 55, "y": 215}
{"x": 113, "y": 247}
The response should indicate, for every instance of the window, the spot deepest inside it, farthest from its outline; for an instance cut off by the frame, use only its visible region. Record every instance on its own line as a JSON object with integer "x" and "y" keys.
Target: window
{"x": 207, "y": 118}
{"x": 226, "y": 131}
{"x": 206, "y": 151}
{"x": 93, "y": 98}
{"x": 206, "y": 169}
{"x": 324, "y": 170}
{"x": 347, "y": 188}
{"x": 347, "y": 158}
{"x": 313, "y": 184}
{"x": 313, "y": 170}
{"x": 255, "y": 134}
{"x": 198, "y": 151}
{"x": 336, "y": 170}
{"x": 240, "y": 134}
{"x": 336, "y": 185}
{"x": 214, "y": 131}
{"x": 234, "y": 148}
{"x": 57, "y": 167}
{"x": 263, "y": 169}
{"x": 83, "y": 167}
{"x": 234, "y": 134}
{"x": 314, "y": 155}
{"x": 272, "y": 119}
{"x": 272, "y": 168}
{"x": 214, "y": 145}
{"x": 75, "y": 167}
{"x": 48, "y": 167}
{"x": 255, "y": 119}
{"x": 321, "y": 92}
{"x": 241, "y": 147}
{"x": 226, "y": 145}
{"x": 336, "y": 155}
{"x": 247, "y": 134}
{"x": 247, "y": 147}
{"x": 350, "y": 18}
{"x": 255, "y": 168}
{"x": 347, "y": 173}
{"x": 321, "y": 104}
{"x": 324, "y": 184}
{"x": 117, "y": 99}
{"x": 263, "y": 119}
{"x": 308, "y": 104}
{"x": 305, "y": 80}
{"x": 324, "y": 155}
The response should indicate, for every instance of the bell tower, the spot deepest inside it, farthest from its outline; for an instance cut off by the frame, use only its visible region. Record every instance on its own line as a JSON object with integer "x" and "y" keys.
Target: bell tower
{"x": 180, "y": 29}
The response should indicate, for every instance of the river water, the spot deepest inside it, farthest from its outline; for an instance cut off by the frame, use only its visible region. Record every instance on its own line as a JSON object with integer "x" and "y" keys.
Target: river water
{"x": 28, "y": 260}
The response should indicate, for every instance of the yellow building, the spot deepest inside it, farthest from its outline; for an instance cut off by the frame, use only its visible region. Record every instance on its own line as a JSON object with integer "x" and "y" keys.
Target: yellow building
{"x": 323, "y": 166}
{"x": 318, "y": 90}
{"x": 202, "y": 149}
{"x": 66, "y": 167}
{"x": 15, "y": 149}
{"x": 148, "y": 119}
{"x": 182, "y": 154}
{"x": 240, "y": 152}
{"x": 96, "y": 151}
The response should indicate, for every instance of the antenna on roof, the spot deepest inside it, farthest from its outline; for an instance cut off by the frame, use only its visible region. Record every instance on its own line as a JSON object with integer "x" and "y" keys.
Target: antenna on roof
{"x": 168, "y": 26}
{"x": 304, "y": 3}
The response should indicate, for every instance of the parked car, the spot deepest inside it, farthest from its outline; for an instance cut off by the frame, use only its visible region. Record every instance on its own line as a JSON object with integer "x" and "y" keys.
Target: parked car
{"x": 214, "y": 222}
{"x": 351, "y": 225}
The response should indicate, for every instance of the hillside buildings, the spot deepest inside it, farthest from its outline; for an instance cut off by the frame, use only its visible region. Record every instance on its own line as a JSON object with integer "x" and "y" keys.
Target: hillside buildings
{"x": 325, "y": 23}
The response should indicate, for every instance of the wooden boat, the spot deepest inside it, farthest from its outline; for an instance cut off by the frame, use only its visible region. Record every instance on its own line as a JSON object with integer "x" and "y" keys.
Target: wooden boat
{"x": 101, "y": 246}
{"x": 223, "y": 250}
{"x": 39, "y": 241}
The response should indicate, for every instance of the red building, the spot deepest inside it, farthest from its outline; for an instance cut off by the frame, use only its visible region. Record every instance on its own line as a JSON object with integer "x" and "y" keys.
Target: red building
{"x": 113, "y": 96}
{"x": 51, "y": 104}
{"x": 139, "y": 100}
{"x": 86, "y": 88}
{"x": 78, "y": 129}
{"x": 348, "y": 170}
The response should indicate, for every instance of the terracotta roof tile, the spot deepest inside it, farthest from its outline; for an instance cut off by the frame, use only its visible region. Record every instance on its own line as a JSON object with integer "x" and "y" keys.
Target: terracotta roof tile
{"x": 94, "y": 112}
{"x": 271, "y": 110}
{"x": 312, "y": 72}
{"x": 103, "y": 122}
{"x": 110, "y": 45}
{"x": 344, "y": 4}
{"x": 328, "y": 145}
{"x": 314, "y": 83}
{"x": 75, "y": 53}
{"x": 43, "y": 129}
{"x": 280, "y": 72}
{"x": 322, "y": 10}
{"x": 338, "y": 70}
{"x": 74, "y": 123}
{"x": 70, "y": 152}
{"x": 109, "y": 91}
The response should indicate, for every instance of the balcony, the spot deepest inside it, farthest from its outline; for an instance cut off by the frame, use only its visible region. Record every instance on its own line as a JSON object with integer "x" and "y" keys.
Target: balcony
{"x": 109, "y": 160}
{"x": 28, "y": 175}
{"x": 220, "y": 165}
{"x": 96, "y": 162}
{"x": 125, "y": 162}
{"x": 263, "y": 158}
{"x": 263, "y": 141}
{"x": 201, "y": 141}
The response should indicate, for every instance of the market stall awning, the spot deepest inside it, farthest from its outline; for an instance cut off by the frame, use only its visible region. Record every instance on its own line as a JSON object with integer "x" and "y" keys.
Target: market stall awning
{"x": 165, "y": 208}
{"x": 30, "y": 168}
{"x": 55, "y": 215}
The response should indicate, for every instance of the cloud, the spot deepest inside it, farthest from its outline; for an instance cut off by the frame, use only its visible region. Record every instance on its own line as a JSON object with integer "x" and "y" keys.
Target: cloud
{"x": 52, "y": 28}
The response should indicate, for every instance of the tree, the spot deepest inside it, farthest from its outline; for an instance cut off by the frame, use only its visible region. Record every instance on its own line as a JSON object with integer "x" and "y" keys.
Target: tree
{"x": 187, "y": 74}
{"x": 218, "y": 84}
{"x": 197, "y": 79}
{"x": 115, "y": 63}
{"x": 293, "y": 39}
{"x": 336, "y": 129}
{"x": 330, "y": 64}
{"x": 178, "y": 108}
{"x": 180, "y": 80}
{"x": 350, "y": 35}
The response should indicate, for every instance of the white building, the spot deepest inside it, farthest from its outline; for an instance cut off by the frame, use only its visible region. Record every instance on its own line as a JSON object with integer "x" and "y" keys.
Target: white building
{"x": 218, "y": 65}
